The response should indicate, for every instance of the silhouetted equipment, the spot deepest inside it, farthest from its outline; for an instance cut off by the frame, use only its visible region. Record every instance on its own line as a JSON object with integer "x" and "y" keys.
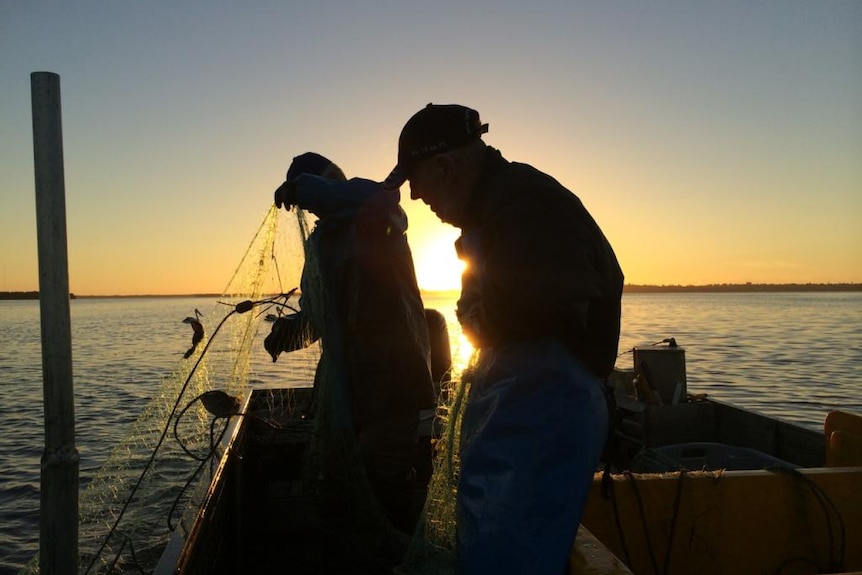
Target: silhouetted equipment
{"x": 219, "y": 403}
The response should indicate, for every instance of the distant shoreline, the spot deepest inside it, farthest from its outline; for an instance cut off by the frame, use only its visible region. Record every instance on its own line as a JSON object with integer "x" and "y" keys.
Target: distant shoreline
{"x": 628, "y": 288}
{"x": 742, "y": 288}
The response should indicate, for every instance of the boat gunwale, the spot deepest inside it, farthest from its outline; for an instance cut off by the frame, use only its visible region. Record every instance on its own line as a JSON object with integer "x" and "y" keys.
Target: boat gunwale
{"x": 176, "y": 554}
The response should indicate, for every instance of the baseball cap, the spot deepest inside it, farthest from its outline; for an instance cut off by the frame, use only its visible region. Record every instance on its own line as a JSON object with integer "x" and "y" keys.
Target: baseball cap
{"x": 307, "y": 163}
{"x": 434, "y": 129}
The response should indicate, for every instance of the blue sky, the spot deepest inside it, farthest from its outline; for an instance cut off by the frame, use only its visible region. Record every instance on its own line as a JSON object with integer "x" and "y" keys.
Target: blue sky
{"x": 713, "y": 141}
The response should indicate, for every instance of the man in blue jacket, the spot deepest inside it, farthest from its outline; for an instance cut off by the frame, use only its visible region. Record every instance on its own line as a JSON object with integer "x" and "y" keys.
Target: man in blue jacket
{"x": 360, "y": 297}
{"x": 540, "y": 300}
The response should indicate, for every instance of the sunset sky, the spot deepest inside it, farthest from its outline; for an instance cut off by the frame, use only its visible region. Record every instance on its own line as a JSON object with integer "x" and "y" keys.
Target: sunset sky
{"x": 714, "y": 142}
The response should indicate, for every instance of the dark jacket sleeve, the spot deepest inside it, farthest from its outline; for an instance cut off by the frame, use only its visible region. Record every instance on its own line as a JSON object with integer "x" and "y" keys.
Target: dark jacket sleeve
{"x": 337, "y": 199}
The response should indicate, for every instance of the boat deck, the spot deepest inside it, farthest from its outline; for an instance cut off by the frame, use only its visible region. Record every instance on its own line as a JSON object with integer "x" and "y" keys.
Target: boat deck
{"x": 257, "y": 517}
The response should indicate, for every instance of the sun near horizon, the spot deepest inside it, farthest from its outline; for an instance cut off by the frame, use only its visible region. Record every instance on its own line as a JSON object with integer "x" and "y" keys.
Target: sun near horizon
{"x": 147, "y": 268}
{"x": 437, "y": 267}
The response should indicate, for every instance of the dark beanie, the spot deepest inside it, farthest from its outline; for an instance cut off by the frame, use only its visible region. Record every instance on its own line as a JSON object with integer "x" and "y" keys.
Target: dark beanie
{"x": 307, "y": 163}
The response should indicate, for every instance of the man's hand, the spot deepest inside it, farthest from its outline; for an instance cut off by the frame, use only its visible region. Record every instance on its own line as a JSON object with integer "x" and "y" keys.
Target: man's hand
{"x": 285, "y": 195}
{"x": 288, "y": 333}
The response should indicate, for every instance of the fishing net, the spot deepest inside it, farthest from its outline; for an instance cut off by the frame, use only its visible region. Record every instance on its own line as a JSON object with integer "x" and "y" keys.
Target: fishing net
{"x": 161, "y": 466}
{"x": 432, "y": 549}
{"x": 157, "y": 475}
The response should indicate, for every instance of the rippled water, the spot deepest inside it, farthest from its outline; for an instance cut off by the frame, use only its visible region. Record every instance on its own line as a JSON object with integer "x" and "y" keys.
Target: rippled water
{"x": 790, "y": 355}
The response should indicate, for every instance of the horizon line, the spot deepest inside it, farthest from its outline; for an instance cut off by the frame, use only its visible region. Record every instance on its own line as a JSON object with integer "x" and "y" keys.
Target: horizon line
{"x": 631, "y": 288}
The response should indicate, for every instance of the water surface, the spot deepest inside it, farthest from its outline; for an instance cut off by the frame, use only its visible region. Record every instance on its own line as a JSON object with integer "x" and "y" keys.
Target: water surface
{"x": 790, "y": 355}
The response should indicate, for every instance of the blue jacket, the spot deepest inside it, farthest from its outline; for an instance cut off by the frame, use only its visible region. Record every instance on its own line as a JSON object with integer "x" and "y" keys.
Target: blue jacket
{"x": 360, "y": 294}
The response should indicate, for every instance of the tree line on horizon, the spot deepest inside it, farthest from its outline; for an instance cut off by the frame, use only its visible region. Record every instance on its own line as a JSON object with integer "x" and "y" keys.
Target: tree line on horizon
{"x": 744, "y": 287}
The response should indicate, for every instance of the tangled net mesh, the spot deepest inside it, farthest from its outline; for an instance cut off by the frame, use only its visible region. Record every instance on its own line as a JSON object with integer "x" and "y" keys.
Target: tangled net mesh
{"x": 432, "y": 549}
{"x": 157, "y": 475}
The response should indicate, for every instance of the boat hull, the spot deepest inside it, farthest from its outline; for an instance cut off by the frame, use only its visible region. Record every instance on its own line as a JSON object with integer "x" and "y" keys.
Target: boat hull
{"x": 723, "y": 522}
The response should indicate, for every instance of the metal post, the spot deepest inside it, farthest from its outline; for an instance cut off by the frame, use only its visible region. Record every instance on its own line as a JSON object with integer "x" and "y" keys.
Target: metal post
{"x": 58, "y": 529}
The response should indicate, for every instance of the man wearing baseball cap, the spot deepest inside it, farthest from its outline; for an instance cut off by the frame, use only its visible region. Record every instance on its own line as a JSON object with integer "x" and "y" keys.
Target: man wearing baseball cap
{"x": 540, "y": 301}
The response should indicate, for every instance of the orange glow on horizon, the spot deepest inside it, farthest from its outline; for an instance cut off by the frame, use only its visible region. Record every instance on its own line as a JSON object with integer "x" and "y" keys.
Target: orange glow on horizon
{"x": 437, "y": 266}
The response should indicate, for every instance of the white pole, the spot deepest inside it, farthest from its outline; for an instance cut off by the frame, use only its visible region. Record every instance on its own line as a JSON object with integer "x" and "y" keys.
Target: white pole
{"x": 58, "y": 519}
